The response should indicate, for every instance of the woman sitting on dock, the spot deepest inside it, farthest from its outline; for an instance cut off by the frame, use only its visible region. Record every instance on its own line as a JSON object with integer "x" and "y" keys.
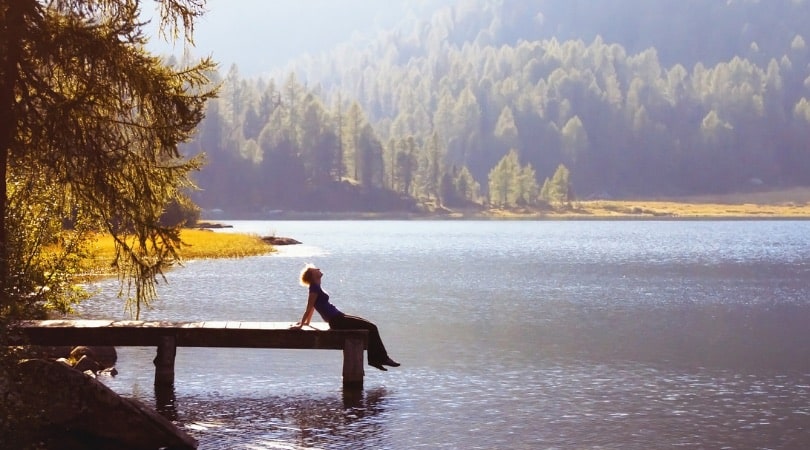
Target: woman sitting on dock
{"x": 318, "y": 300}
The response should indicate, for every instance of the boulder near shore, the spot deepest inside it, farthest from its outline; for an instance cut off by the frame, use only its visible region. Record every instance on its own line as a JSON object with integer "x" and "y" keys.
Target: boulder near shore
{"x": 60, "y": 404}
{"x": 73, "y": 410}
{"x": 275, "y": 240}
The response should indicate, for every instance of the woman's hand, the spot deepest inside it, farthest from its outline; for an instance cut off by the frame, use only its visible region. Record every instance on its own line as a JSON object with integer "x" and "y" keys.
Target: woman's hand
{"x": 297, "y": 326}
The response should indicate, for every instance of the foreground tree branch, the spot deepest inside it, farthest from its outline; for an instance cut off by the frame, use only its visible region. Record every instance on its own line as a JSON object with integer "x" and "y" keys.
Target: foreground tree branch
{"x": 93, "y": 119}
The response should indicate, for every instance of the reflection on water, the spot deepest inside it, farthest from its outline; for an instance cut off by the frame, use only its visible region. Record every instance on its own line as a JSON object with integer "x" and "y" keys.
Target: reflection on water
{"x": 555, "y": 404}
{"x": 166, "y": 400}
{"x": 351, "y": 420}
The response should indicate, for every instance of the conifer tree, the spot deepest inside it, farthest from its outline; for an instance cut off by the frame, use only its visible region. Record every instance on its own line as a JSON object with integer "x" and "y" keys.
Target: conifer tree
{"x": 90, "y": 114}
{"x": 557, "y": 190}
{"x": 466, "y": 186}
{"x": 504, "y": 181}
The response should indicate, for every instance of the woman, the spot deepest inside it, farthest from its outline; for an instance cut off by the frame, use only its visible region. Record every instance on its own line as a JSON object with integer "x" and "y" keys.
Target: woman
{"x": 318, "y": 300}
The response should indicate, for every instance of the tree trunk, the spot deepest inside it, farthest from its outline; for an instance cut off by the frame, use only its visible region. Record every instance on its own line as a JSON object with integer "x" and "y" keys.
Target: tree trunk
{"x": 11, "y": 31}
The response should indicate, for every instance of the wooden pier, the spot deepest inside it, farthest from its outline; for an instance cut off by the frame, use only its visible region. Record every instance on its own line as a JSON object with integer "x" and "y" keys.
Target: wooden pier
{"x": 167, "y": 336}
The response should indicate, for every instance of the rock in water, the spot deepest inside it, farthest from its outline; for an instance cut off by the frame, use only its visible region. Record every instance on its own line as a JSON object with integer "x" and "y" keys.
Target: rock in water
{"x": 275, "y": 240}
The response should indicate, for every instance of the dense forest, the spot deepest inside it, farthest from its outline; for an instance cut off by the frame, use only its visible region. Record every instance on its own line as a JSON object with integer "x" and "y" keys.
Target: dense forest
{"x": 511, "y": 103}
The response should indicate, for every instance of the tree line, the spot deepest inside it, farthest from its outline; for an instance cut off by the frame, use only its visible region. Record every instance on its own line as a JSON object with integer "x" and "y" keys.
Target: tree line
{"x": 458, "y": 125}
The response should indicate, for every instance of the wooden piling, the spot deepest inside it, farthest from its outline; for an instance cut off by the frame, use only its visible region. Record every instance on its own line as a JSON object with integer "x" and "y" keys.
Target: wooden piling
{"x": 164, "y": 360}
{"x": 353, "y": 363}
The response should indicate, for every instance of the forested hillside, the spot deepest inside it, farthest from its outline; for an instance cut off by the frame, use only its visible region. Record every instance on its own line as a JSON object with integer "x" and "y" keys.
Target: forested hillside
{"x": 518, "y": 103}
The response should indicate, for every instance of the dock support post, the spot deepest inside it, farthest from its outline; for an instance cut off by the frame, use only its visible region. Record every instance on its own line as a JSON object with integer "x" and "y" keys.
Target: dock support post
{"x": 353, "y": 363}
{"x": 164, "y": 361}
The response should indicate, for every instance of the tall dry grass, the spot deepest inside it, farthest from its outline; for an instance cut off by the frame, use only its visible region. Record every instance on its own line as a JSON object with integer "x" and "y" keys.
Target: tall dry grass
{"x": 197, "y": 244}
{"x": 695, "y": 210}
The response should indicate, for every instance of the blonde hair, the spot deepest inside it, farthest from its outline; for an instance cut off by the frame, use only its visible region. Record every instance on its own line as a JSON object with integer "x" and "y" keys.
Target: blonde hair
{"x": 305, "y": 278}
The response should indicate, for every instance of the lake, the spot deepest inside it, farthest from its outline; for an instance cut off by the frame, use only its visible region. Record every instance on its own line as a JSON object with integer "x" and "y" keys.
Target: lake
{"x": 511, "y": 335}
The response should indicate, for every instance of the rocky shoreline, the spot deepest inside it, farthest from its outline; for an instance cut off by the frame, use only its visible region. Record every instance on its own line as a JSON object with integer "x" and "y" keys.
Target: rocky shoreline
{"x": 69, "y": 408}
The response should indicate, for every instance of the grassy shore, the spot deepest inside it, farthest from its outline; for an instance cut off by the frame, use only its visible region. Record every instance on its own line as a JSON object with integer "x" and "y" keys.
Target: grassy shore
{"x": 651, "y": 209}
{"x": 198, "y": 244}
{"x": 785, "y": 204}
{"x": 789, "y": 204}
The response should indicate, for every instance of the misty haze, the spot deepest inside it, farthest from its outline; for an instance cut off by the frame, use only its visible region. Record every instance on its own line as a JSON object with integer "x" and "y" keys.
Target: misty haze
{"x": 575, "y": 224}
{"x": 480, "y": 103}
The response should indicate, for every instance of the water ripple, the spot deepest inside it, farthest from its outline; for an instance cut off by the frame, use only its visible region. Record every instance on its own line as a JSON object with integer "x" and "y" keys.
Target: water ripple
{"x": 513, "y": 335}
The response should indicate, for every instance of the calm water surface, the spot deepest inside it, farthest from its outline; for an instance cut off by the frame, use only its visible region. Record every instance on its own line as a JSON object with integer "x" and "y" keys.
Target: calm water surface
{"x": 512, "y": 335}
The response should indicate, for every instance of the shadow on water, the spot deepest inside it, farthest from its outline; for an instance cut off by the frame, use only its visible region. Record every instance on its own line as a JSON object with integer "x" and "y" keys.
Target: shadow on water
{"x": 166, "y": 400}
{"x": 351, "y": 419}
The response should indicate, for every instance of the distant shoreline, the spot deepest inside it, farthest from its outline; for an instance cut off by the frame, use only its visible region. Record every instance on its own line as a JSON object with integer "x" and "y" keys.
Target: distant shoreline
{"x": 787, "y": 204}
{"x": 791, "y": 204}
{"x": 315, "y": 216}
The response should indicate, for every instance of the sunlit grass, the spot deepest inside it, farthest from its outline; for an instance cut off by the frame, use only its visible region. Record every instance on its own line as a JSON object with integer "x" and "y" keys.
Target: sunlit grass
{"x": 197, "y": 244}
{"x": 209, "y": 244}
{"x": 792, "y": 203}
{"x": 630, "y": 209}
{"x": 695, "y": 210}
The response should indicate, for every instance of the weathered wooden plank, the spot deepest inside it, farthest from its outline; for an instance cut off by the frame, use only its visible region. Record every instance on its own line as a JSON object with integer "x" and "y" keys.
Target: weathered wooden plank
{"x": 320, "y": 325}
{"x": 115, "y": 336}
{"x": 126, "y": 323}
{"x": 269, "y": 338}
{"x": 167, "y": 336}
{"x": 188, "y": 334}
{"x": 82, "y": 323}
{"x": 280, "y": 325}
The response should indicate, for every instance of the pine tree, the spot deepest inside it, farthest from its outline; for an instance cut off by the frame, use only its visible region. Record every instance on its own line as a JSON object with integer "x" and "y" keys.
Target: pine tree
{"x": 466, "y": 186}
{"x": 557, "y": 190}
{"x": 505, "y": 182}
{"x": 88, "y": 111}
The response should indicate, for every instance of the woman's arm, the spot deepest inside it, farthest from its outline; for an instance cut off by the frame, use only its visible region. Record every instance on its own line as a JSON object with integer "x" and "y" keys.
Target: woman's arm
{"x": 307, "y": 317}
